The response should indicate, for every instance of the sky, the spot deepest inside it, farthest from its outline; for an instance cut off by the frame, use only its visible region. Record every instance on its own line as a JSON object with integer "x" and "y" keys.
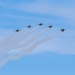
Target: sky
{"x": 53, "y": 57}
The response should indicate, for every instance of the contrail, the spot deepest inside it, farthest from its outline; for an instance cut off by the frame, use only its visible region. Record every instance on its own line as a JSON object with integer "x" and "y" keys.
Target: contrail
{"x": 34, "y": 45}
{"x": 23, "y": 36}
{"x": 6, "y": 49}
{"x": 4, "y": 60}
{"x": 6, "y": 43}
{"x": 34, "y": 38}
{"x": 27, "y": 34}
{"x": 31, "y": 40}
{"x": 13, "y": 37}
{"x": 28, "y": 49}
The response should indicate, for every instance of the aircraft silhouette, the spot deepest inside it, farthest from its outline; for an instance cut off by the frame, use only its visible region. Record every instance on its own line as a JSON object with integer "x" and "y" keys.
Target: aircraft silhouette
{"x": 29, "y": 26}
{"x": 62, "y": 30}
{"x": 50, "y": 26}
{"x": 40, "y": 24}
{"x": 17, "y": 30}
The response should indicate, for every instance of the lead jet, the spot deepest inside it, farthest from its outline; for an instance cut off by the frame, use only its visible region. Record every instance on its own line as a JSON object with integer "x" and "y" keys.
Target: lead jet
{"x": 62, "y": 30}
{"x": 50, "y": 26}
{"x": 17, "y": 30}
{"x": 29, "y": 26}
{"x": 40, "y": 24}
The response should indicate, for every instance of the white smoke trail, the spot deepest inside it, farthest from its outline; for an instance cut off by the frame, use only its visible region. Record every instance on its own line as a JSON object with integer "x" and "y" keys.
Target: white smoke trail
{"x": 31, "y": 40}
{"x": 34, "y": 38}
{"x": 27, "y": 50}
{"x": 6, "y": 49}
{"x": 10, "y": 38}
{"x": 5, "y": 60}
{"x": 35, "y": 44}
{"x": 23, "y": 36}
{"x": 26, "y": 35}
{"x": 15, "y": 38}
{"x": 5, "y": 43}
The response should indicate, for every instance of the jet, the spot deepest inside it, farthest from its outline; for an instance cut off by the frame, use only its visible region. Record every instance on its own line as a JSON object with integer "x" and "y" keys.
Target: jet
{"x": 29, "y": 26}
{"x": 40, "y": 24}
{"x": 62, "y": 30}
{"x": 17, "y": 30}
{"x": 50, "y": 26}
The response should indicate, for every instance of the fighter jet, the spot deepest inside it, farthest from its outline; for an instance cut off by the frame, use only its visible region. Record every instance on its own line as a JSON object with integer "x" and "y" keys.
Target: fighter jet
{"x": 40, "y": 24}
{"x": 50, "y": 26}
{"x": 17, "y": 30}
{"x": 62, "y": 30}
{"x": 29, "y": 26}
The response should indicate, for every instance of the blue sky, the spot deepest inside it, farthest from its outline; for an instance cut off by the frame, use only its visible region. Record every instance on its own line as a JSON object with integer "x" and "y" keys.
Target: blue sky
{"x": 54, "y": 57}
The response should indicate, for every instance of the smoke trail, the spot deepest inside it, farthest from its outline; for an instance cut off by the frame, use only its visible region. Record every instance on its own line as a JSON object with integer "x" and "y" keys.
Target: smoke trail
{"x": 27, "y": 50}
{"x": 34, "y": 38}
{"x": 6, "y": 49}
{"x": 31, "y": 40}
{"x": 6, "y": 43}
{"x": 23, "y": 36}
{"x": 34, "y": 45}
{"x": 27, "y": 34}
{"x": 5, "y": 60}
{"x": 9, "y": 39}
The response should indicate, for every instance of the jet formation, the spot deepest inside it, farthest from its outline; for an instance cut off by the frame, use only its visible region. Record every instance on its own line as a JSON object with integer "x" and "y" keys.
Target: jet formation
{"x": 12, "y": 48}
{"x": 40, "y": 24}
